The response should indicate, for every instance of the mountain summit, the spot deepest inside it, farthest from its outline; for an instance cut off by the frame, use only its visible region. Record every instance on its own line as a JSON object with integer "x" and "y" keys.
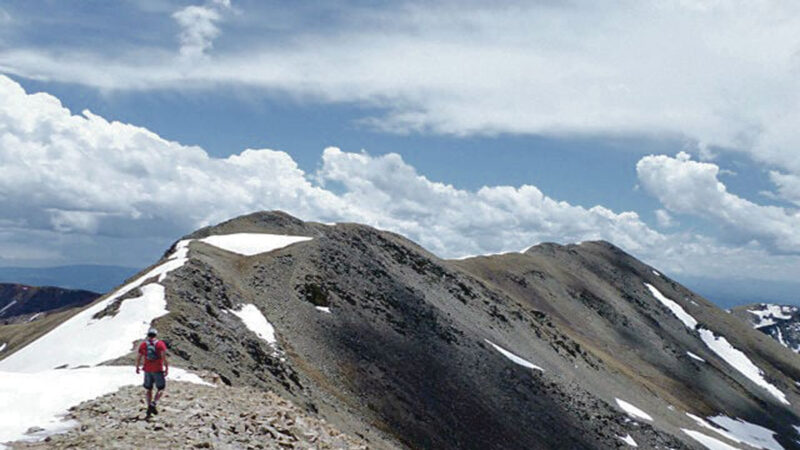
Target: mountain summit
{"x": 575, "y": 346}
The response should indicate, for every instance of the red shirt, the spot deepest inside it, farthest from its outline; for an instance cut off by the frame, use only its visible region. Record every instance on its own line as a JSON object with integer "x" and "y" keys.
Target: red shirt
{"x": 156, "y": 365}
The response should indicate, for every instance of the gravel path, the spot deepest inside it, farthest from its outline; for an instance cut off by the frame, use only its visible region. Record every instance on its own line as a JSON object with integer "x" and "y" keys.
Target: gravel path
{"x": 196, "y": 416}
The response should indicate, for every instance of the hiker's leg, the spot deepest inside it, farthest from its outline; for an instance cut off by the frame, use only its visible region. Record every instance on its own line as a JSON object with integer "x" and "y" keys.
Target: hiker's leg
{"x": 148, "y": 386}
{"x": 161, "y": 384}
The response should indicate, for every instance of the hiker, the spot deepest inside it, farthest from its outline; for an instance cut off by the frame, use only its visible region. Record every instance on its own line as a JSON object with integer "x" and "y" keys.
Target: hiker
{"x": 154, "y": 353}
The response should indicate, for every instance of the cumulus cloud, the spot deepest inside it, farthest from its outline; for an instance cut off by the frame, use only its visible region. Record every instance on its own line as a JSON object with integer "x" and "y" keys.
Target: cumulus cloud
{"x": 82, "y": 174}
{"x": 451, "y": 221}
{"x": 199, "y": 27}
{"x": 78, "y": 185}
{"x": 691, "y": 187}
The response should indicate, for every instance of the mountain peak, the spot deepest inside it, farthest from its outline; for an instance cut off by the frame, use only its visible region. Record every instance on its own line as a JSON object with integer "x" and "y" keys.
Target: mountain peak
{"x": 277, "y": 222}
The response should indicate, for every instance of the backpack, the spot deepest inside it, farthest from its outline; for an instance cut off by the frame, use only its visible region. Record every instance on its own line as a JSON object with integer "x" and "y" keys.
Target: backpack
{"x": 152, "y": 351}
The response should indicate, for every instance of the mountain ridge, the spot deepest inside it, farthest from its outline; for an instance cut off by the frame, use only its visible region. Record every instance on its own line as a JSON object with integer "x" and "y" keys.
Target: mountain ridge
{"x": 550, "y": 348}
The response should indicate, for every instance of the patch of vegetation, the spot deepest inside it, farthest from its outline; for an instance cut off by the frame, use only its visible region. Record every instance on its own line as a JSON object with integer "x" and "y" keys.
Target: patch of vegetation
{"x": 315, "y": 294}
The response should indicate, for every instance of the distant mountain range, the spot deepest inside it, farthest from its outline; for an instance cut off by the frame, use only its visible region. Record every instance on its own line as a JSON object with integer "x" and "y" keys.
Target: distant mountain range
{"x": 781, "y": 322}
{"x": 96, "y": 278}
{"x": 562, "y": 346}
{"x": 22, "y": 300}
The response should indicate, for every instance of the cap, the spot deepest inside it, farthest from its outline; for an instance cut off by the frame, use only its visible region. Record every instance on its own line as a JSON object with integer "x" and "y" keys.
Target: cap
{"x": 152, "y": 332}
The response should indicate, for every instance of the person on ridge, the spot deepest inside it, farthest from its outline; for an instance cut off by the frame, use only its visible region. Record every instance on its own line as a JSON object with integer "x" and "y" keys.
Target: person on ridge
{"x": 154, "y": 353}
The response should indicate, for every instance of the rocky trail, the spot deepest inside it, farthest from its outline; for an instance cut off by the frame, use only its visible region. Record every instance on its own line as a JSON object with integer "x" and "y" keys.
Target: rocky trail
{"x": 195, "y": 416}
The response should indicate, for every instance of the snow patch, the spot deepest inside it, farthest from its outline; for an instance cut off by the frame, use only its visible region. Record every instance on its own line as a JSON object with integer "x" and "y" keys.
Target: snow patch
{"x": 628, "y": 440}
{"x": 324, "y": 309}
{"x": 770, "y": 314}
{"x": 249, "y": 244}
{"x": 516, "y": 359}
{"x": 633, "y": 411}
{"x": 774, "y": 311}
{"x": 3, "y": 346}
{"x": 13, "y": 302}
{"x": 748, "y": 433}
{"x": 740, "y": 431}
{"x": 719, "y": 345}
{"x": 764, "y": 322}
{"x": 693, "y": 356}
{"x": 34, "y": 317}
{"x": 42, "y": 399}
{"x": 780, "y": 337}
{"x": 178, "y": 374}
{"x": 656, "y": 273}
{"x": 255, "y": 321}
{"x": 739, "y": 361}
{"x": 673, "y": 306}
{"x": 708, "y": 441}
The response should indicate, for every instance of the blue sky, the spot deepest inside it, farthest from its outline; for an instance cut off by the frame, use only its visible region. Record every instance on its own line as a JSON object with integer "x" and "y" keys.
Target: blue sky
{"x": 667, "y": 127}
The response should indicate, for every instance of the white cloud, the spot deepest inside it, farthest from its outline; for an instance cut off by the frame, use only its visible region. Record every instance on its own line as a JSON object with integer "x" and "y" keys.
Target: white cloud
{"x": 451, "y": 221}
{"x": 664, "y": 219}
{"x": 198, "y": 27}
{"x": 82, "y": 174}
{"x": 722, "y": 75}
{"x": 78, "y": 185}
{"x": 692, "y": 187}
{"x": 788, "y": 185}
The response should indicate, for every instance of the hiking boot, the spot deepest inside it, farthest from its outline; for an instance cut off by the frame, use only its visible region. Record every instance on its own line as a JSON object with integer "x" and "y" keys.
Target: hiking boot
{"x": 151, "y": 409}
{"x": 155, "y": 410}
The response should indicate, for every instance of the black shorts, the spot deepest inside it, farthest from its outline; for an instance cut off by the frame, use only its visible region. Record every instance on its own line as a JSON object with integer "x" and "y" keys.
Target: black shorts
{"x": 156, "y": 378}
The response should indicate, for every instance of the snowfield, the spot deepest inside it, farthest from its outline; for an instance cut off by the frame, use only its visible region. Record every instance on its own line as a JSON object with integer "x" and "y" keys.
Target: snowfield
{"x": 719, "y": 345}
{"x": 39, "y": 382}
{"x": 117, "y": 333}
{"x": 42, "y": 398}
{"x": 108, "y": 338}
{"x": 516, "y": 359}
